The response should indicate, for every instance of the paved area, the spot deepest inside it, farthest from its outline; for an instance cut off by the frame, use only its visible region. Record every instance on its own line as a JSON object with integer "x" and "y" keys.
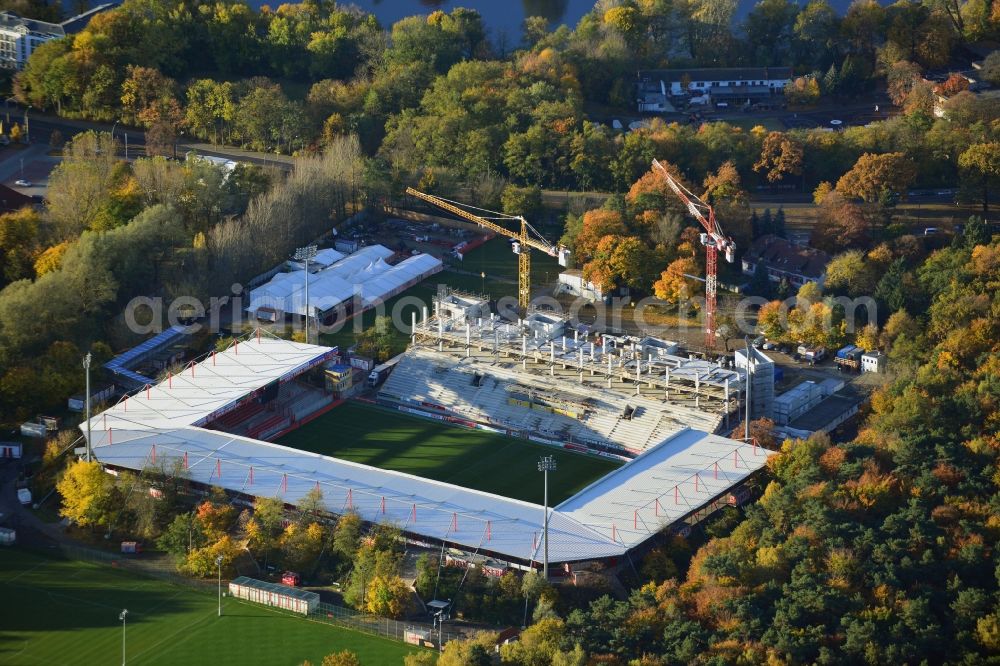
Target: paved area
{"x": 32, "y": 163}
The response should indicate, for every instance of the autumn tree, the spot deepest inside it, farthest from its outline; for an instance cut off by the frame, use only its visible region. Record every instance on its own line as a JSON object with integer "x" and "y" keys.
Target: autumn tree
{"x": 780, "y": 156}
{"x": 387, "y": 596}
{"x": 981, "y": 161}
{"x": 342, "y": 658}
{"x": 873, "y": 174}
{"x": 674, "y": 284}
{"x": 87, "y": 493}
{"x": 840, "y": 224}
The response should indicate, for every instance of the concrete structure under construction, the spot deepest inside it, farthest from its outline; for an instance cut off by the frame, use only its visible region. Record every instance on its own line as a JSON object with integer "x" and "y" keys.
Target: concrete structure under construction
{"x": 543, "y": 378}
{"x": 761, "y": 383}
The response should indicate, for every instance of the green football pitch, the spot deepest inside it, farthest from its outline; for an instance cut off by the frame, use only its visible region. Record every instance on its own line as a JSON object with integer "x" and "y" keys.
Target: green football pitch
{"x": 469, "y": 458}
{"x": 65, "y": 612}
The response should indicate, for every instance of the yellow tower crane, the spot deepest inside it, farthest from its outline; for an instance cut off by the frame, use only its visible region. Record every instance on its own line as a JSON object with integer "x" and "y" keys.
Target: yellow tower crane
{"x": 527, "y": 238}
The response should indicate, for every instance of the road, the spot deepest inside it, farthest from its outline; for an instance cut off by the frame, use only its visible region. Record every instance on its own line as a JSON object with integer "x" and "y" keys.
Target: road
{"x": 41, "y": 125}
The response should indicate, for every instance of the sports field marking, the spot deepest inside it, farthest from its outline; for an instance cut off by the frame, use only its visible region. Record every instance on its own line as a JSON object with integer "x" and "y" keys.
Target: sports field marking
{"x": 160, "y": 642}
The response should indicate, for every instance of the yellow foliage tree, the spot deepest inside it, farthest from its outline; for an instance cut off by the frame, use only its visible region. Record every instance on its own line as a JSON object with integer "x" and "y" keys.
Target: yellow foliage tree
{"x": 387, "y": 596}
{"x": 200, "y": 562}
{"x": 673, "y": 286}
{"x": 867, "y": 338}
{"x": 343, "y": 658}
{"x": 86, "y": 492}
{"x": 50, "y": 259}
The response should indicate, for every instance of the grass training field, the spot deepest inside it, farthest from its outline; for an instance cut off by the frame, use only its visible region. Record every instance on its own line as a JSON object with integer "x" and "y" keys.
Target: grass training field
{"x": 469, "y": 458}
{"x": 65, "y": 612}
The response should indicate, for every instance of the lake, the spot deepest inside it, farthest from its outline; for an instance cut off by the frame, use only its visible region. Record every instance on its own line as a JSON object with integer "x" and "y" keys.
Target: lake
{"x": 504, "y": 17}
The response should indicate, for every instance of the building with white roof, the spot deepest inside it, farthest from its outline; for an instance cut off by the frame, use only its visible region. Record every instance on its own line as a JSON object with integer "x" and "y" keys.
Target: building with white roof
{"x": 365, "y": 277}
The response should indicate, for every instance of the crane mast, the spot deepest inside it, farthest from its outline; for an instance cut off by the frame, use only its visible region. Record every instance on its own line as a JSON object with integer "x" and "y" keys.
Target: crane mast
{"x": 522, "y": 247}
{"x": 712, "y": 238}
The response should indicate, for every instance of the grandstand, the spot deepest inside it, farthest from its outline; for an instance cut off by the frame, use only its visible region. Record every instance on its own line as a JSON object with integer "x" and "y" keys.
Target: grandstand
{"x": 248, "y": 387}
{"x": 542, "y": 379}
{"x": 499, "y": 394}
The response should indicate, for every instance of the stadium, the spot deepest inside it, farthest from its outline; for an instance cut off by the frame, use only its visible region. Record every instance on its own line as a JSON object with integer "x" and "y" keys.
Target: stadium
{"x": 446, "y": 449}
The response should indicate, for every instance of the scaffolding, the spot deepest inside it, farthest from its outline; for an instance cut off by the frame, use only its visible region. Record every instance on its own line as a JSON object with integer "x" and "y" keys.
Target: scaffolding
{"x": 587, "y": 358}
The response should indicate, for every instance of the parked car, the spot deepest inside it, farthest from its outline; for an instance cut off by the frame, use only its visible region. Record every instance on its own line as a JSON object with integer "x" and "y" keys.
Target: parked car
{"x": 22, "y": 183}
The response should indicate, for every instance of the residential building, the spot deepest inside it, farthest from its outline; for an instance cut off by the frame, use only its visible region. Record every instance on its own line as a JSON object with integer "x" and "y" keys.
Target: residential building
{"x": 19, "y": 37}
{"x": 743, "y": 85}
{"x": 784, "y": 260}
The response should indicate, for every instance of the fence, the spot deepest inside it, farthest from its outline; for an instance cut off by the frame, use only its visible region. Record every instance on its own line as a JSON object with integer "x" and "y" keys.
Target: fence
{"x": 380, "y": 626}
{"x": 163, "y": 568}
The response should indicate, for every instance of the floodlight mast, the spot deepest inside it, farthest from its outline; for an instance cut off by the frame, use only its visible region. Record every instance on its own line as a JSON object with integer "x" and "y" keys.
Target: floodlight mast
{"x": 218, "y": 563}
{"x": 305, "y": 254}
{"x": 545, "y": 465}
{"x": 122, "y": 616}
{"x": 86, "y": 367}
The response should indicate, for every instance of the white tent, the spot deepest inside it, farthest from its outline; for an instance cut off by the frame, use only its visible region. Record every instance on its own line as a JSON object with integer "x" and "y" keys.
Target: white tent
{"x": 364, "y": 273}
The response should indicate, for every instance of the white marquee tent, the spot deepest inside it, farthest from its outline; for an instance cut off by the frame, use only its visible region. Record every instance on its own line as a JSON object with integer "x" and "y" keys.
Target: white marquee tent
{"x": 364, "y": 274}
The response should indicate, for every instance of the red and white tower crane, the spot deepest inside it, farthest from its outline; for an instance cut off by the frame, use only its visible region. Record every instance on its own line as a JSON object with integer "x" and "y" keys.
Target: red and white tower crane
{"x": 714, "y": 241}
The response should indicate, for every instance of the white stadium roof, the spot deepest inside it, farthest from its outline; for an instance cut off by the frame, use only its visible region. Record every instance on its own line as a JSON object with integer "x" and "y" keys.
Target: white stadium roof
{"x": 161, "y": 425}
{"x": 203, "y": 391}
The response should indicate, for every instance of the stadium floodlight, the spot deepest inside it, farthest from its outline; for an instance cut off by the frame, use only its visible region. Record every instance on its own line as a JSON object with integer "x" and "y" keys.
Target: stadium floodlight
{"x": 218, "y": 563}
{"x": 86, "y": 368}
{"x": 121, "y": 616}
{"x": 746, "y": 419}
{"x": 546, "y": 464}
{"x": 306, "y": 254}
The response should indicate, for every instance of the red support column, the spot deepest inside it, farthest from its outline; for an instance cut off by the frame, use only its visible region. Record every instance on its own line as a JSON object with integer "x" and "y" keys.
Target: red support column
{"x": 213, "y": 357}
{"x": 317, "y": 485}
{"x": 251, "y": 475}
{"x": 284, "y": 483}
{"x": 170, "y": 380}
{"x": 676, "y": 495}
{"x": 125, "y": 404}
{"x": 154, "y": 453}
{"x": 192, "y": 368}
{"x": 147, "y": 391}
{"x": 716, "y": 469}
{"x": 614, "y": 532}
{"x": 696, "y": 481}
{"x": 185, "y": 460}
{"x": 489, "y": 530}
{"x": 258, "y": 336}
{"x": 534, "y": 541}
{"x": 109, "y": 437}
{"x": 350, "y": 498}
{"x": 414, "y": 514}
{"x": 656, "y": 507}
{"x": 635, "y": 520}
{"x": 218, "y": 468}
{"x": 454, "y": 522}
{"x": 383, "y": 505}
{"x": 236, "y": 346}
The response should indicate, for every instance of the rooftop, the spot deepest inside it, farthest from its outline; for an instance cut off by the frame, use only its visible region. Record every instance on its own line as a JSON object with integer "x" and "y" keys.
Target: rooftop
{"x": 780, "y": 254}
{"x": 203, "y": 391}
{"x": 719, "y": 74}
{"x": 607, "y": 519}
